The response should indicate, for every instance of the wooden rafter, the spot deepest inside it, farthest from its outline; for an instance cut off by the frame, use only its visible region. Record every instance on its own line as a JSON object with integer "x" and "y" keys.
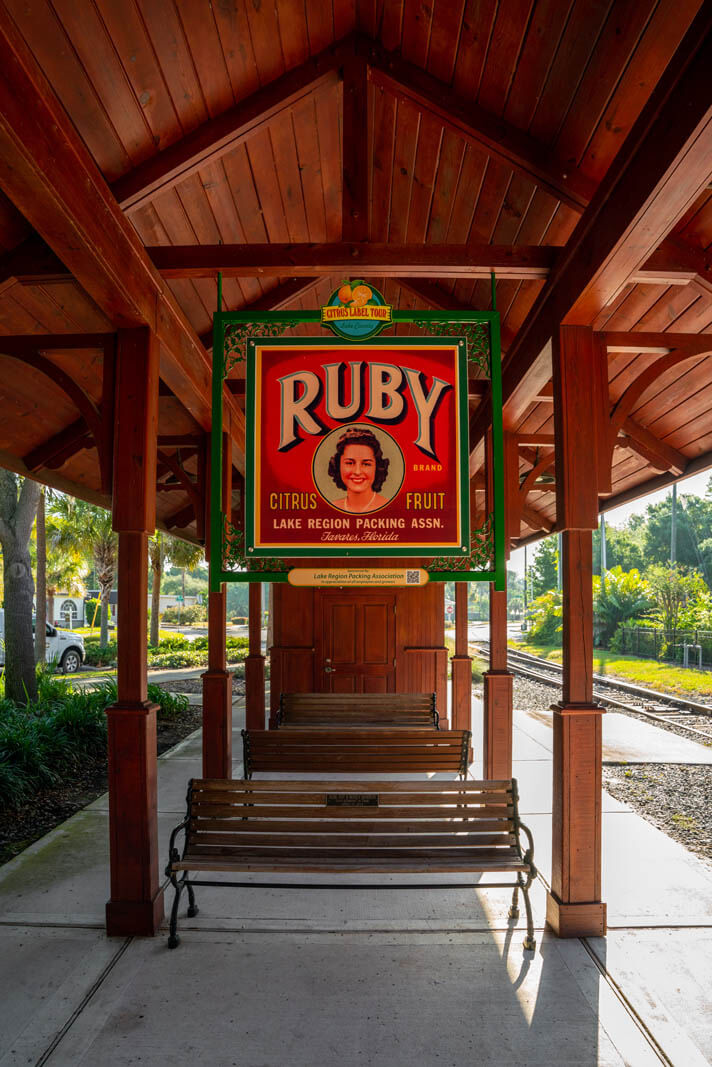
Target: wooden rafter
{"x": 659, "y": 454}
{"x": 274, "y": 300}
{"x": 220, "y": 135}
{"x": 659, "y": 171}
{"x": 356, "y": 142}
{"x": 59, "y": 447}
{"x": 481, "y": 128}
{"x": 48, "y": 173}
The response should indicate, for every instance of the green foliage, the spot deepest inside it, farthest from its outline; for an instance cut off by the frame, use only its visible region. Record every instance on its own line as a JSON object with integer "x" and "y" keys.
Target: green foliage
{"x": 545, "y": 616}
{"x": 622, "y": 596}
{"x": 624, "y": 549}
{"x": 172, "y": 652}
{"x": 672, "y": 590}
{"x": 544, "y": 568}
{"x": 194, "y": 613}
{"x": 50, "y": 738}
{"x": 98, "y": 655}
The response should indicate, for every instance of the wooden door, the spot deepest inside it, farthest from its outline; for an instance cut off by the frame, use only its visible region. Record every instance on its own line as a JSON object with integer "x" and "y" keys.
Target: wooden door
{"x": 357, "y": 650}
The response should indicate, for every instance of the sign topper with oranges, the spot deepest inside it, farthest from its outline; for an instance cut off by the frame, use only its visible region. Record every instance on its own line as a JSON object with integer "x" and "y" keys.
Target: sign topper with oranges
{"x": 356, "y": 311}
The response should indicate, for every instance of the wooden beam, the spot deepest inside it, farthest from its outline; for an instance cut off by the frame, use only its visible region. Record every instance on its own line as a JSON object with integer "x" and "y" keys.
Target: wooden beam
{"x": 535, "y": 439}
{"x": 662, "y": 167}
{"x": 659, "y": 454}
{"x": 520, "y": 262}
{"x": 60, "y": 447}
{"x": 356, "y": 148}
{"x": 478, "y": 127}
{"x": 535, "y": 519}
{"x": 31, "y": 263}
{"x": 179, "y": 520}
{"x": 676, "y": 263}
{"x": 701, "y": 463}
{"x": 48, "y": 173}
{"x": 215, "y": 138}
{"x": 657, "y": 344}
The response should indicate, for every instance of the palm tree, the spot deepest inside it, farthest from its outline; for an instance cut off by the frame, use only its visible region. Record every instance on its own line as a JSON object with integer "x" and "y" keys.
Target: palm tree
{"x": 86, "y": 530}
{"x": 162, "y": 549}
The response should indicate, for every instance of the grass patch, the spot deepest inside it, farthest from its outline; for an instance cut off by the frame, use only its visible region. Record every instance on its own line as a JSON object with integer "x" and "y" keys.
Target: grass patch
{"x": 663, "y": 677}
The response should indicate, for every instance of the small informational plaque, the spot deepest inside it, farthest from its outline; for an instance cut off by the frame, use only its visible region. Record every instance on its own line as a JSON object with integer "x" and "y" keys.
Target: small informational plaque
{"x": 371, "y": 576}
{"x": 352, "y": 800}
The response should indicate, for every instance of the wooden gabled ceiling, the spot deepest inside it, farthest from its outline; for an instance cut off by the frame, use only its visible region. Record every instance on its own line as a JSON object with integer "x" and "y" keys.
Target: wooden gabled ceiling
{"x": 423, "y": 144}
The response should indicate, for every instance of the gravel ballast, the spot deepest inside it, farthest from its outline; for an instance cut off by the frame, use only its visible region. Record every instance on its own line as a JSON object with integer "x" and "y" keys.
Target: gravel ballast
{"x": 677, "y": 798}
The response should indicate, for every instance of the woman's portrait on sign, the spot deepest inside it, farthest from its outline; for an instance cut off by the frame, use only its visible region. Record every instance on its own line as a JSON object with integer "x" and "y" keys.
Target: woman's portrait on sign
{"x": 364, "y": 463}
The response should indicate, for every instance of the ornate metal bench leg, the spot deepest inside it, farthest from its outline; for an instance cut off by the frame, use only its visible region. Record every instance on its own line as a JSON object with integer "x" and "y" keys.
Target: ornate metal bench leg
{"x": 529, "y": 940}
{"x": 193, "y": 908}
{"x": 173, "y": 939}
{"x": 514, "y": 909}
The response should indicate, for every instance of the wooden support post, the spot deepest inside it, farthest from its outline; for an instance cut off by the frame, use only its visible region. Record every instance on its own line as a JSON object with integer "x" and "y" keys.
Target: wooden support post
{"x": 255, "y": 664}
{"x": 498, "y": 682}
{"x": 136, "y": 904}
{"x": 217, "y": 680}
{"x": 574, "y": 906}
{"x": 497, "y": 732}
{"x": 461, "y": 665}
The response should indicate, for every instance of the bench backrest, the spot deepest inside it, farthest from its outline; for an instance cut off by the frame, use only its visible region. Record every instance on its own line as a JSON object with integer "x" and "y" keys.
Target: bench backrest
{"x": 357, "y": 709}
{"x": 226, "y": 816}
{"x": 356, "y": 751}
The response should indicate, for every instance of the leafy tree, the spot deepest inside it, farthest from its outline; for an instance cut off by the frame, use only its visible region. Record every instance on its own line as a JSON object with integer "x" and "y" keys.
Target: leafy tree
{"x": 672, "y": 588}
{"x": 18, "y": 506}
{"x": 624, "y": 548}
{"x": 543, "y": 573}
{"x": 622, "y": 596}
{"x": 86, "y": 530}
{"x": 545, "y": 616}
{"x": 163, "y": 549}
{"x": 694, "y": 524}
{"x": 41, "y": 599}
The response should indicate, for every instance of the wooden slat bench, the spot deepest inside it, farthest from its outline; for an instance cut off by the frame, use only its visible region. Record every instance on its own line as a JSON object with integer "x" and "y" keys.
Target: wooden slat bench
{"x": 353, "y": 751}
{"x": 355, "y": 827}
{"x": 310, "y": 710}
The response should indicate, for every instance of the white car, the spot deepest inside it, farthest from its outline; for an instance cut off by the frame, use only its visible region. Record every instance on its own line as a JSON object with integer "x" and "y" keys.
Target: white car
{"x": 63, "y": 647}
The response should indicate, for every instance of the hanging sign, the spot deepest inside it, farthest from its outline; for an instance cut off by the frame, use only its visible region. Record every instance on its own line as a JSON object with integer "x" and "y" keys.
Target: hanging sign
{"x": 357, "y": 449}
{"x": 356, "y": 311}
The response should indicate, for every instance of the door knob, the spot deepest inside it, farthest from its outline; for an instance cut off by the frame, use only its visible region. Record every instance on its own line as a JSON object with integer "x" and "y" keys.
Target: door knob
{"x": 329, "y": 670}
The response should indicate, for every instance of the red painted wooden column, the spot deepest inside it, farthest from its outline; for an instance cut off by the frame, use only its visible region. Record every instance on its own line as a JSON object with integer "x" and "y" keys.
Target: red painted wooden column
{"x": 498, "y": 682}
{"x": 217, "y": 680}
{"x": 136, "y": 904}
{"x": 574, "y": 905}
{"x": 497, "y": 735}
{"x": 461, "y": 665}
{"x": 255, "y": 664}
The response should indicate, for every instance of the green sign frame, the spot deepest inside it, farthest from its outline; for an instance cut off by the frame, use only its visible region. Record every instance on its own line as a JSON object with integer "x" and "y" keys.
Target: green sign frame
{"x": 479, "y": 332}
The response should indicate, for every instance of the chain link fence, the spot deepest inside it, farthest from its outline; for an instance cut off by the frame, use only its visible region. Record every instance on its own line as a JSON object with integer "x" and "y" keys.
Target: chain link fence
{"x": 690, "y": 647}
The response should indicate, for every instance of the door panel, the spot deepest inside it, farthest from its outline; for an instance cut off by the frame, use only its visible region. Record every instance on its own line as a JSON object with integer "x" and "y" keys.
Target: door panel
{"x": 357, "y": 643}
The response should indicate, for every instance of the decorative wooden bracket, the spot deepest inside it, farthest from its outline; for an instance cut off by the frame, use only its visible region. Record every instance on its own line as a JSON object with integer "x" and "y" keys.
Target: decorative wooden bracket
{"x": 191, "y": 482}
{"x": 95, "y": 425}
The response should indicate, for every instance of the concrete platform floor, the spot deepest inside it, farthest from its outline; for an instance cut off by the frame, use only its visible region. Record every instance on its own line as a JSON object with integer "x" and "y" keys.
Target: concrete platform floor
{"x": 355, "y": 977}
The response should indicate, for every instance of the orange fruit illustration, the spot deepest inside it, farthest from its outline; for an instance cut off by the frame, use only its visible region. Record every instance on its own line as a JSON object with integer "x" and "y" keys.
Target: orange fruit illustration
{"x": 345, "y": 294}
{"x": 362, "y": 295}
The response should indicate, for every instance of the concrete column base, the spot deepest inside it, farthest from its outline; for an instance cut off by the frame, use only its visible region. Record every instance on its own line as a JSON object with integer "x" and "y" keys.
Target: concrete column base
{"x": 497, "y": 739}
{"x": 136, "y": 904}
{"x": 575, "y": 920}
{"x": 217, "y": 724}
{"x": 255, "y": 692}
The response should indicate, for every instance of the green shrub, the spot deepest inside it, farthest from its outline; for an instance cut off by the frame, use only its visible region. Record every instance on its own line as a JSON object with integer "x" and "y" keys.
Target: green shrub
{"x": 545, "y": 619}
{"x": 194, "y": 613}
{"x": 239, "y": 620}
{"x": 98, "y": 655}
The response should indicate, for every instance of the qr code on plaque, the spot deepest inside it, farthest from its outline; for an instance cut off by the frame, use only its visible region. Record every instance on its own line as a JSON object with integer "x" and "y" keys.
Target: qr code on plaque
{"x": 412, "y": 577}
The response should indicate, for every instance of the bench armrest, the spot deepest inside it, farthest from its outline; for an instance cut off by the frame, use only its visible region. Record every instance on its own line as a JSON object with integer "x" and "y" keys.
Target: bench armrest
{"x": 173, "y": 853}
{"x": 528, "y": 856}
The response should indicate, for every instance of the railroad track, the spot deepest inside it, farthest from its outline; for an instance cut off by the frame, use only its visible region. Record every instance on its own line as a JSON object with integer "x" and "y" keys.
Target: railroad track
{"x": 661, "y": 708}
